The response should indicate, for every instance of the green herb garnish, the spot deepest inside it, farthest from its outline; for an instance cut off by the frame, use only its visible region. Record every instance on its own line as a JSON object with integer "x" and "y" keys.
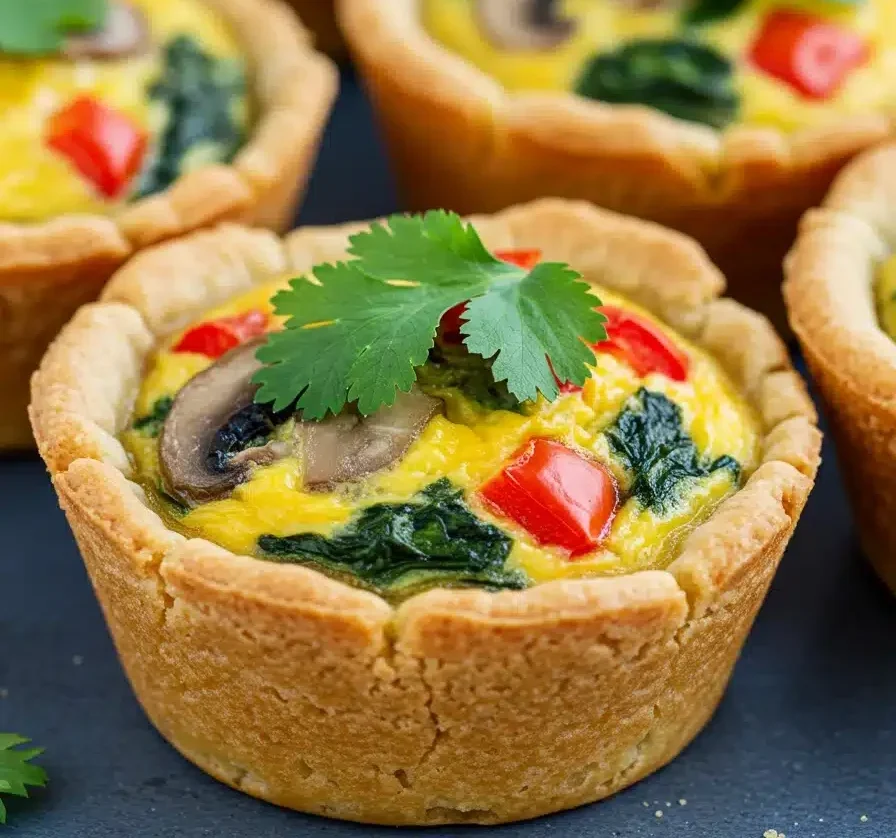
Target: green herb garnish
{"x": 649, "y": 439}
{"x": 33, "y": 28}
{"x": 700, "y": 12}
{"x": 682, "y": 78}
{"x": 392, "y": 548}
{"x": 151, "y": 424}
{"x": 359, "y": 329}
{"x": 16, "y": 770}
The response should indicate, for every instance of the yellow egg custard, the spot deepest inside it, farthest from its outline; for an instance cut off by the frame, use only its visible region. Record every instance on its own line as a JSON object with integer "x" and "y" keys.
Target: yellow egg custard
{"x": 643, "y": 452}
{"x": 885, "y": 294}
{"x": 159, "y": 91}
{"x": 787, "y": 64}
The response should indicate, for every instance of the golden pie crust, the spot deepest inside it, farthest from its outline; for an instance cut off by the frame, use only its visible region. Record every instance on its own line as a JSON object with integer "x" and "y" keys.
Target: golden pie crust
{"x": 830, "y": 298}
{"x": 740, "y": 193}
{"x": 458, "y": 706}
{"x": 49, "y": 269}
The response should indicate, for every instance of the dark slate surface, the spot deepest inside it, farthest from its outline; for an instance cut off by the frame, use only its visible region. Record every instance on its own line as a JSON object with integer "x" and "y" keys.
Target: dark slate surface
{"x": 804, "y": 743}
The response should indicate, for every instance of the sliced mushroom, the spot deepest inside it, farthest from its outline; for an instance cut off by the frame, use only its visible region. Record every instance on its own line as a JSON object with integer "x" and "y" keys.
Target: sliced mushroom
{"x": 125, "y": 32}
{"x": 211, "y": 415}
{"x": 525, "y": 24}
{"x": 348, "y": 446}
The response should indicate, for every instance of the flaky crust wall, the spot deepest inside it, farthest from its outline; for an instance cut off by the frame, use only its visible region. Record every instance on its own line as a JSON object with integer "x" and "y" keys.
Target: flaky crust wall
{"x": 48, "y": 270}
{"x": 830, "y": 298}
{"x": 456, "y": 706}
{"x": 507, "y": 148}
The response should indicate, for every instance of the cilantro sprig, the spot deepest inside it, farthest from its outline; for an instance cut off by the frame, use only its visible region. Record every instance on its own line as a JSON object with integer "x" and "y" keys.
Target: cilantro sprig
{"x": 357, "y": 330}
{"x": 29, "y": 28}
{"x": 16, "y": 770}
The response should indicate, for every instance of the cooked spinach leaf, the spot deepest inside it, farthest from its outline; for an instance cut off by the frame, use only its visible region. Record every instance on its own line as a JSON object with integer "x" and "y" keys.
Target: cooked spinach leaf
{"x": 700, "y": 12}
{"x": 680, "y": 77}
{"x": 651, "y": 443}
{"x": 151, "y": 424}
{"x": 454, "y": 367}
{"x": 198, "y": 94}
{"x": 393, "y": 548}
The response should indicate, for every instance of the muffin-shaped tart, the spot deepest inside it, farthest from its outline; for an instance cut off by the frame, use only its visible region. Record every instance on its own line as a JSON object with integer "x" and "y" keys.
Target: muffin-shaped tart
{"x": 128, "y": 122}
{"x": 428, "y": 521}
{"x": 681, "y": 111}
{"x": 841, "y": 297}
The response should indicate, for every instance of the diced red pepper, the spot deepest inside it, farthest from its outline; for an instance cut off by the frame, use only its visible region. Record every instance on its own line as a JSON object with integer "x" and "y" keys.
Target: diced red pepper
{"x": 811, "y": 54}
{"x": 643, "y": 346}
{"x": 526, "y": 259}
{"x": 101, "y": 143}
{"x": 560, "y": 497}
{"x": 215, "y": 337}
{"x": 640, "y": 344}
{"x": 449, "y": 327}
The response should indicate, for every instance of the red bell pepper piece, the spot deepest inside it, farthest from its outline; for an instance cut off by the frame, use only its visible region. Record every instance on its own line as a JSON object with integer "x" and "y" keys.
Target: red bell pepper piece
{"x": 215, "y": 337}
{"x": 811, "y": 54}
{"x": 526, "y": 259}
{"x": 449, "y": 327}
{"x": 643, "y": 346}
{"x": 101, "y": 143}
{"x": 560, "y": 497}
{"x": 640, "y": 344}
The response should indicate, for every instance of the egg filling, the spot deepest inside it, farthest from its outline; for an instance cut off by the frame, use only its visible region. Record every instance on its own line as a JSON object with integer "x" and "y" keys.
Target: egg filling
{"x": 462, "y": 484}
{"x": 92, "y": 129}
{"x": 785, "y": 64}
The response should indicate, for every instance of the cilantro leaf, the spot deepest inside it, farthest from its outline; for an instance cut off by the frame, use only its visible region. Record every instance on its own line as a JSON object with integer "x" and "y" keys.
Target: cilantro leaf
{"x": 16, "y": 772}
{"x": 357, "y": 330}
{"x": 29, "y": 27}
{"x": 523, "y": 323}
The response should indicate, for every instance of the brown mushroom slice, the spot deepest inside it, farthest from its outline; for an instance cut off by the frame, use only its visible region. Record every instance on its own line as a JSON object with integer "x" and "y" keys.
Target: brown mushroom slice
{"x": 525, "y": 24}
{"x": 348, "y": 446}
{"x": 124, "y": 32}
{"x": 191, "y": 472}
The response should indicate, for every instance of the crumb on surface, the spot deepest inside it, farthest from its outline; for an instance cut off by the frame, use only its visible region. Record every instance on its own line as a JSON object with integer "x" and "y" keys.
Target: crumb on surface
{"x": 864, "y": 819}
{"x": 77, "y": 660}
{"x": 682, "y": 802}
{"x": 658, "y": 813}
{"x": 773, "y": 833}
{"x": 4, "y": 692}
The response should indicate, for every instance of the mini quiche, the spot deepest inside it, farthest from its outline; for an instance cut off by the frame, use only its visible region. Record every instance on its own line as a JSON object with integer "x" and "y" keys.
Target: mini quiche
{"x": 841, "y": 296}
{"x": 442, "y": 533}
{"x": 126, "y": 122}
{"x": 686, "y": 112}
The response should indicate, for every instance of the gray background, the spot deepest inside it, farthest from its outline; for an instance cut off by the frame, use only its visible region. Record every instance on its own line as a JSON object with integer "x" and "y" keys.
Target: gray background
{"x": 804, "y": 742}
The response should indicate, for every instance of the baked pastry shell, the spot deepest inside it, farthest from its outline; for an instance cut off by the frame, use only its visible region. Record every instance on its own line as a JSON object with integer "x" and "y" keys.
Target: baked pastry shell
{"x": 49, "y": 269}
{"x": 458, "y": 705}
{"x": 740, "y": 193}
{"x": 830, "y": 298}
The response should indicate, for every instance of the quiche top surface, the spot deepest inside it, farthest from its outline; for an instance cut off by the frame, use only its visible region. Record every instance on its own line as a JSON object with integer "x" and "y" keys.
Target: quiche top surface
{"x": 786, "y": 64}
{"x": 155, "y": 89}
{"x": 458, "y": 482}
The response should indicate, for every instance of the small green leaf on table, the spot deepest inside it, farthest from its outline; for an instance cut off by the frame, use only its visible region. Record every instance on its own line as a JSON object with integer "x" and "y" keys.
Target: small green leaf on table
{"x": 17, "y": 772}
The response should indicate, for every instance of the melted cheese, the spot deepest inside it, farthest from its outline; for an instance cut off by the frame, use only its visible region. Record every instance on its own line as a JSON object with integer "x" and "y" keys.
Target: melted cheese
{"x": 37, "y": 182}
{"x": 469, "y": 445}
{"x": 604, "y": 25}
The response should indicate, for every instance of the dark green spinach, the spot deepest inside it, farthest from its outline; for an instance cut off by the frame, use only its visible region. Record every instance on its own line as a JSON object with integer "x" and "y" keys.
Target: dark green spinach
{"x": 199, "y": 94}
{"x": 151, "y": 424}
{"x": 396, "y": 548}
{"x": 680, "y": 77}
{"x": 701, "y": 12}
{"x": 651, "y": 443}
{"x": 454, "y": 367}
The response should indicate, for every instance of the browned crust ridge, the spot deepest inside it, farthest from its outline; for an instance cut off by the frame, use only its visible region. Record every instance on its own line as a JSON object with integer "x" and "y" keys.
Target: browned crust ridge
{"x": 830, "y": 298}
{"x": 49, "y": 269}
{"x": 740, "y": 192}
{"x": 458, "y": 705}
